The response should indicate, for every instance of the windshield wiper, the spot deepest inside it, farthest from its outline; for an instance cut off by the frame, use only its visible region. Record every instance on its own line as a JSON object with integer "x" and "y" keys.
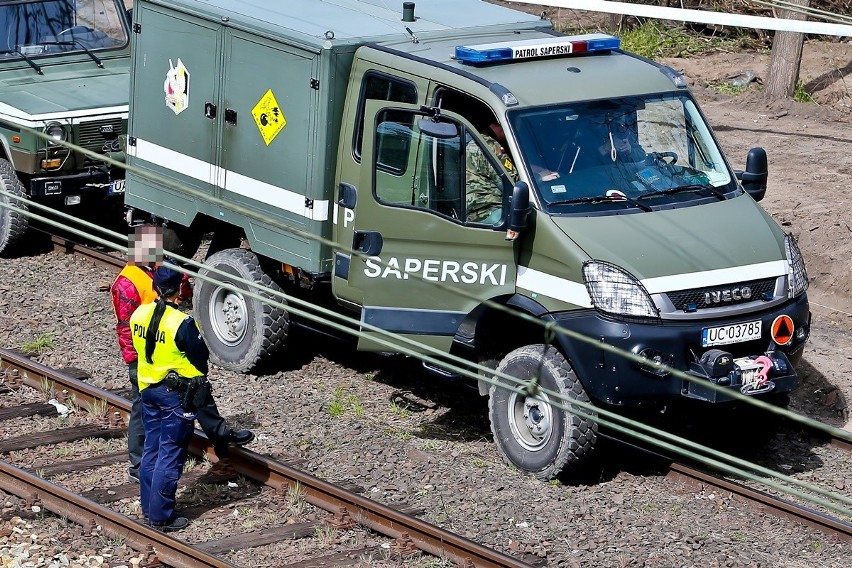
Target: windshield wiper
{"x": 32, "y": 63}
{"x": 77, "y": 42}
{"x": 603, "y": 199}
{"x": 683, "y": 188}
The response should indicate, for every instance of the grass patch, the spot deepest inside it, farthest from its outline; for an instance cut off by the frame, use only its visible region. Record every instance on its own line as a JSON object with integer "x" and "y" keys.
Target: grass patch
{"x": 800, "y": 95}
{"x": 399, "y": 410}
{"x": 433, "y": 445}
{"x": 436, "y": 562}
{"x": 97, "y": 408}
{"x": 296, "y": 504}
{"x": 726, "y": 88}
{"x": 403, "y": 436}
{"x": 654, "y": 39}
{"x": 47, "y": 387}
{"x": 344, "y": 403}
{"x": 325, "y": 534}
{"x": 39, "y": 345}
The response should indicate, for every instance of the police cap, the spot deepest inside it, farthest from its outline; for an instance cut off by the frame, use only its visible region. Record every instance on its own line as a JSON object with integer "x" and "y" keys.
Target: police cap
{"x": 167, "y": 281}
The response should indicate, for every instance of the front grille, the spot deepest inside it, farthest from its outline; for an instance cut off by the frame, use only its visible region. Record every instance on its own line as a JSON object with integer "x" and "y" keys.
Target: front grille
{"x": 89, "y": 136}
{"x": 683, "y": 298}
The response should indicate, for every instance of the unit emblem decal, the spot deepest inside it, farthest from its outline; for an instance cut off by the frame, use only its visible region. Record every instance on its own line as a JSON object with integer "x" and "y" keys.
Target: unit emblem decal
{"x": 176, "y": 87}
{"x": 268, "y": 116}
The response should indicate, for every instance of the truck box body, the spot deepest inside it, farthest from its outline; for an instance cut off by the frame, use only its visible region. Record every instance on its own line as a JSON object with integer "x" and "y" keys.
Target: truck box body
{"x": 235, "y": 55}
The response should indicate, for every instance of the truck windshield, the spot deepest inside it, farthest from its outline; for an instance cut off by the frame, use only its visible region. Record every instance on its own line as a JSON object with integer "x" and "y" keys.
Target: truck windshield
{"x": 51, "y": 27}
{"x": 600, "y": 155}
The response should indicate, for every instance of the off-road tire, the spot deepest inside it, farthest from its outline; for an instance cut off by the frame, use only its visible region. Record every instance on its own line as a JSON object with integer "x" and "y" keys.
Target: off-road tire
{"x": 251, "y": 331}
{"x": 570, "y": 438}
{"x": 13, "y": 224}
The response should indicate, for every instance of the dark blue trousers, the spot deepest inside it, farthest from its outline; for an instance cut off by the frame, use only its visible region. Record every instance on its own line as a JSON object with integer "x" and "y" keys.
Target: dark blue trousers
{"x": 135, "y": 429}
{"x": 168, "y": 428}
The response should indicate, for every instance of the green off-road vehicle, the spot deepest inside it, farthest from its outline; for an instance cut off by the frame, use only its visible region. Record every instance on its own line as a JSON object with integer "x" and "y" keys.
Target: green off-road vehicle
{"x": 64, "y": 72}
{"x": 348, "y": 152}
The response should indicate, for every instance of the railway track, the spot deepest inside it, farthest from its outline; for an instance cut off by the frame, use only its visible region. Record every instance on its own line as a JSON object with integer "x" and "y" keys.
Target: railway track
{"x": 346, "y": 507}
{"x": 673, "y": 468}
{"x": 695, "y": 475}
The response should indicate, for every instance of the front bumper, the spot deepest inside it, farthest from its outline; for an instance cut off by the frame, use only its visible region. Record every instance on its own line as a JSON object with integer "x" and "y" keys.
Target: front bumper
{"x": 94, "y": 184}
{"x": 616, "y": 380}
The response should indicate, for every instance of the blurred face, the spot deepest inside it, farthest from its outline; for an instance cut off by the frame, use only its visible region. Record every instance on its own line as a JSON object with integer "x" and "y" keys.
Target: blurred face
{"x": 497, "y": 130}
{"x": 146, "y": 245}
{"x": 621, "y": 137}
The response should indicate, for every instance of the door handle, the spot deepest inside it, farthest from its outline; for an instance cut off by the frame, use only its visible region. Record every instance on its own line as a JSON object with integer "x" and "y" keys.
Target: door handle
{"x": 209, "y": 110}
{"x": 230, "y": 117}
{"x": 368, "y": 242}
{"x": 347, "y": 195}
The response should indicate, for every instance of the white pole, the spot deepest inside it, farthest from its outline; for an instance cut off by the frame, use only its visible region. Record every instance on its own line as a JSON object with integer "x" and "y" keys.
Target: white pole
{"x": 699, "y": 16}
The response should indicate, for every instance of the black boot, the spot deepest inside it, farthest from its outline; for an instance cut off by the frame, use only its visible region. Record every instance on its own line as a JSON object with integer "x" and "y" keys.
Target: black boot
{"x": 239, "y": 437}
{"x": 176, "y": 524}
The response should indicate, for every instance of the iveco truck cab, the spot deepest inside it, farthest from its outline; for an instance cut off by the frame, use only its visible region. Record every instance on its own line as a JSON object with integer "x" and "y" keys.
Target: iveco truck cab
{"x": 64, "y": 73}
{"x": 467, "y": 178}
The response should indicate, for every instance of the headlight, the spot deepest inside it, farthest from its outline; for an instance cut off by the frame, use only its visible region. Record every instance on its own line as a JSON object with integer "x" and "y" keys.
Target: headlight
{"x": 797, "y": 278}
{"x": 56, "y": 131}
{"x": 615, "y": 291}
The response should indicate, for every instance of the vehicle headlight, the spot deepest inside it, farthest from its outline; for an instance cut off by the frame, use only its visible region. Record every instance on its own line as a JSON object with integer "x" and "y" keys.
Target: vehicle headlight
{"x": 615, "y": 291}
{"x": 56, "y": 131}
{"x": 797, "y": 278}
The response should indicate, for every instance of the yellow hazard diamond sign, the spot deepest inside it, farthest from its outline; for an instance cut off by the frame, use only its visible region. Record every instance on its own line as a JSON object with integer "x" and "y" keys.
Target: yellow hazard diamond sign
{"x": 268, "y": 116}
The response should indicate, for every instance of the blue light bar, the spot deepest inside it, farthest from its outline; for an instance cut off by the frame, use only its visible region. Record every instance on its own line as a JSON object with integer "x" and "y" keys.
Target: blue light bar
{"x": 535, "y": 48}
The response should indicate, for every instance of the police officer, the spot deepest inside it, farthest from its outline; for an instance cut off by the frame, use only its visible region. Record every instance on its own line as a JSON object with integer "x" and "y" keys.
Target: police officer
{"x": 131, "y": 288}
{"x": 171, "y": 353}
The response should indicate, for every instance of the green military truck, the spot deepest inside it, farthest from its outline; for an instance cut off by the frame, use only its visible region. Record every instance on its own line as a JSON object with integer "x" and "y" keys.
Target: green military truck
{"x": 64, "y": 71}
{"x": 611, "y": 211}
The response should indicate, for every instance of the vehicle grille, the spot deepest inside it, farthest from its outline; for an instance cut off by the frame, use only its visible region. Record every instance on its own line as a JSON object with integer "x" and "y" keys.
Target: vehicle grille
{"x": 89, "y": 136}
{"x": 682, "y": 298}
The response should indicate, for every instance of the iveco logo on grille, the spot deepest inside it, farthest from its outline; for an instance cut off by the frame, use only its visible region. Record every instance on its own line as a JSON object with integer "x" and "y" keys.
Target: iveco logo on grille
{"x": 732, "y": 295}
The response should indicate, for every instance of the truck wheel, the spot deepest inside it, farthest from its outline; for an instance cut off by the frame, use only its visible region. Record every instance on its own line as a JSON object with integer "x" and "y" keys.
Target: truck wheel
{"x": 13, "y": 224}
{"x": 240, "y": 331}
{"x": 530, "y": 433}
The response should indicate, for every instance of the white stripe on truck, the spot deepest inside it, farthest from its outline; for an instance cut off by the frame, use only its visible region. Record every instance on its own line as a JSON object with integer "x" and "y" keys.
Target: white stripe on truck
{"x": 230, "y": 181}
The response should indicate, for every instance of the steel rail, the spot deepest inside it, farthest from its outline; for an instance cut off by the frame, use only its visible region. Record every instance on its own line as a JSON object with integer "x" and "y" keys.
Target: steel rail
{"x": 775, "y": 505}
{"x": 83, "y": 512}
{"x": 377, "y": 516}
{"x": 61, "y": 244}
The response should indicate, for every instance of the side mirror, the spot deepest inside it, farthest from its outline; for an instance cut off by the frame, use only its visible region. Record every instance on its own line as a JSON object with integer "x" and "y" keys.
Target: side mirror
{"x": 519, "y": 210}
{"x": 756, "y": 173}
{"x": 440, "y": 130}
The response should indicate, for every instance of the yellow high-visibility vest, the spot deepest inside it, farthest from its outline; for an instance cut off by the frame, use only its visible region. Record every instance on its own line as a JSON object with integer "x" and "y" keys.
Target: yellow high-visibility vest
{"x": 166, "y": 357}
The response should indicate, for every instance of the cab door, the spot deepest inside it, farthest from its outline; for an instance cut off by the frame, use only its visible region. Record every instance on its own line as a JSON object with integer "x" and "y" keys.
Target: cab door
{"x": 416, "y": 265}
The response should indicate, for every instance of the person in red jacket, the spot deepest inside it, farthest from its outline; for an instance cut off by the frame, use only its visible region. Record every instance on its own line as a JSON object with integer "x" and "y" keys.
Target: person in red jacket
{"x": 133, "y": 287}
